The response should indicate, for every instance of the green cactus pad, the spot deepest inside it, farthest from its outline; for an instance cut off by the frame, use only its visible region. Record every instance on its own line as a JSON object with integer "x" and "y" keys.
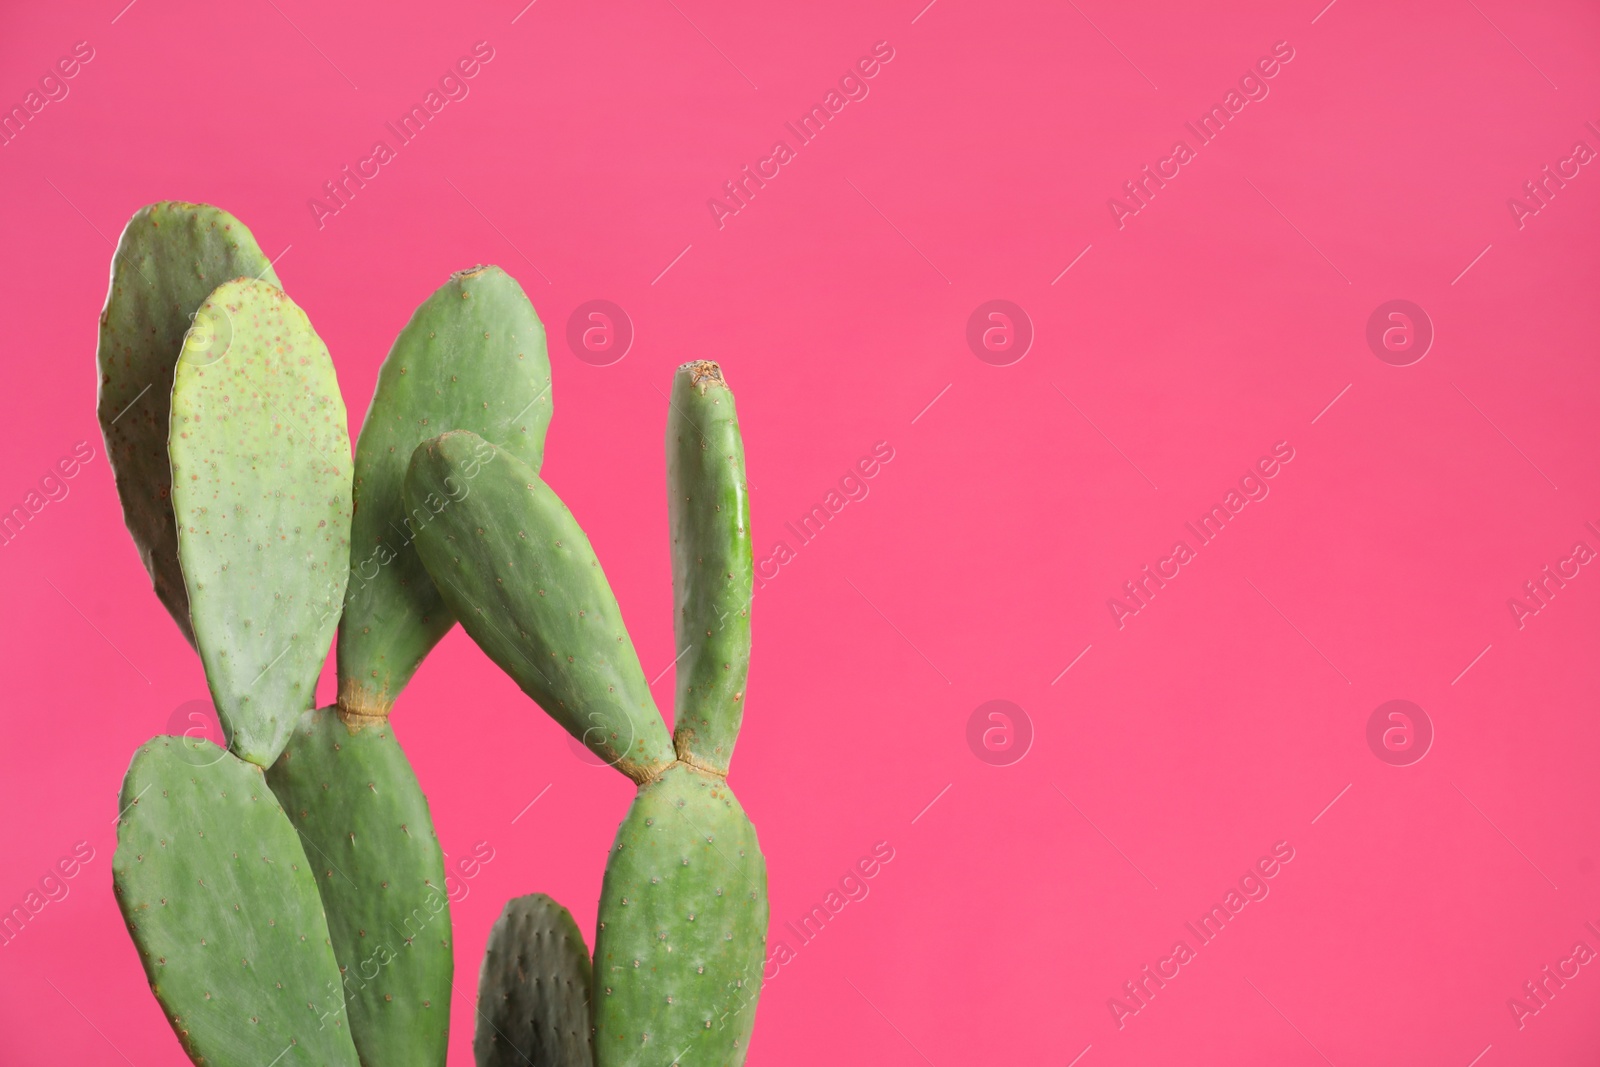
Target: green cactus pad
{"x": 366, "y": 830}
{"x": 223, "y": 908}
{"x": 533, "y": 989}
{"x": 261, "y": 492}
{"x": 682, "y": 935}
{"x": 471, "y": 358}
{"x": 708, "y": 505}
{"x": 517, "y": 570}
{"x": 171, "y": 256}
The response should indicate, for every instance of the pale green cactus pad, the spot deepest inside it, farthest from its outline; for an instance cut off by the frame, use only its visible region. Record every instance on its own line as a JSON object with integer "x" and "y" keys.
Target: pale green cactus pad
{"x": 222, "y": 906}
{"x": 533, "y": 989}
{"x": 708, "y": 506}
{"x": 516, "y": 568}
{"x": 367, "y": 831}
{"x": 682, "y": 935}
{"x": 261, "y": 493}
{"x": 170, "y": 258}
{"x": 471, "y": 358}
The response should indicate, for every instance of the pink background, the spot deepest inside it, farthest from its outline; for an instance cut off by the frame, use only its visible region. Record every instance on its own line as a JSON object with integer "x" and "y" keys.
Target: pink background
{"x": 1220, "y": 320}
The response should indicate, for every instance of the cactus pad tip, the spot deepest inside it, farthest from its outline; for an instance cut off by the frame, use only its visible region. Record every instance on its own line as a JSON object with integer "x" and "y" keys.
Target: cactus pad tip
{"x": 701, "y": 371}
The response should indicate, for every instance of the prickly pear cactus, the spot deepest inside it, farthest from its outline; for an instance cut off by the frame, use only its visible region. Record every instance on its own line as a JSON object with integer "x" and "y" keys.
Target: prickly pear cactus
{"x": 471, "y": 358}
{"x": 228, "y": 436}
{"x": 367, "y": 831}
{"x": 516, "y": 568}
{"x": 170, "y": 258}
{"x": 223, "y": 907}
{"x": 681, "y": 940}
{"x": 680, "y": 943}
{"x": 534, "y": 989}
{"x": 261, "y": 494}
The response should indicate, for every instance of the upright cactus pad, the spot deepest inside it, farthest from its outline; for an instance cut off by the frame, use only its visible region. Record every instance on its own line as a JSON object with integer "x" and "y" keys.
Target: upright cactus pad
{"x": 261, "y": 493}
{"x": 534, "y": 989}
{"x": 369, "y": 837}
{"x": 223, "y": 908}
{"x": 683, "y": 927}
{"x": 171, "y": 256}
{"x": 708, "y": 506}
{"x": 517, "y": 569}
{"x": 471, "y": 358}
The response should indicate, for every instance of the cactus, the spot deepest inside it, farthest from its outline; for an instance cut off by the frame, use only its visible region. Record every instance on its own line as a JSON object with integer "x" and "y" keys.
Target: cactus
{"x": 518, "y": 570}
{"x": 261, "y": 493}
{"x": 213, "y": 884}
{"x": 534, "y": 989}
{"x": 708, "y": 508}
{"x": 171, "y": 256}
{"x": 222, "y": 905}
{"x": 369, "y": 836}
{"x": 473, "y": 355}
{"x": 683, "y": 910}
{"x": 286, "y": 893}
{"x": 683, "y": 922}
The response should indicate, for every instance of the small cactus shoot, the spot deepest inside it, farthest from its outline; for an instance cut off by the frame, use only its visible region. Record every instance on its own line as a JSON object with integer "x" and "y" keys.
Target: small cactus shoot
{"x": 534, "y": 989}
